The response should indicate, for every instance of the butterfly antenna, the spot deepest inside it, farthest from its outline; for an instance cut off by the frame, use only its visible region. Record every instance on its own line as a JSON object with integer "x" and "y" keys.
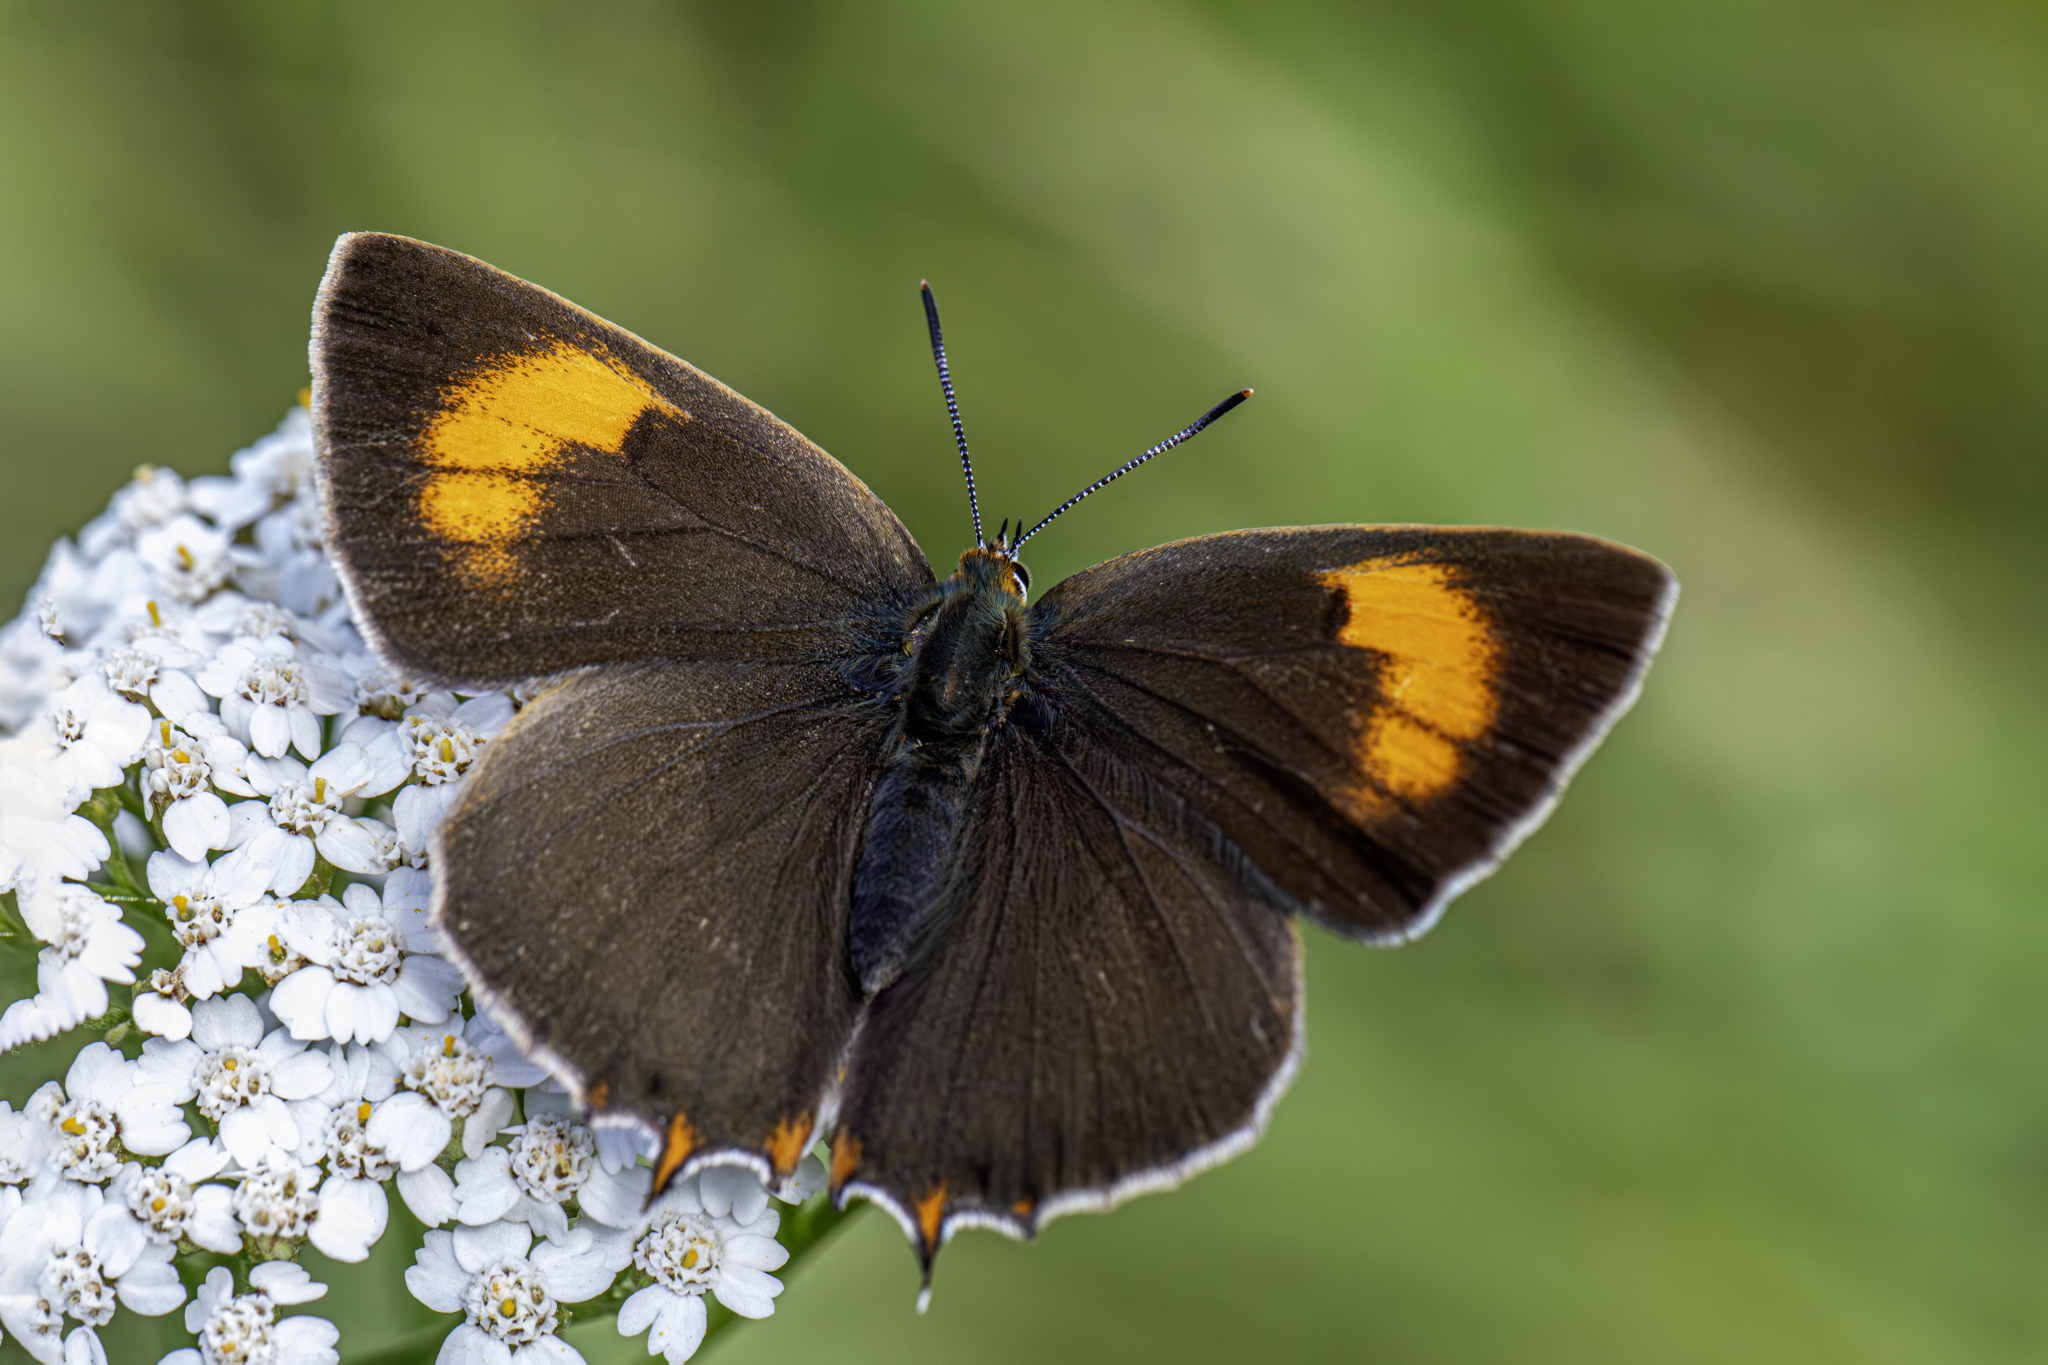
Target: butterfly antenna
{"x": 931, "y": 317}
{"x": 1169, "y": 443}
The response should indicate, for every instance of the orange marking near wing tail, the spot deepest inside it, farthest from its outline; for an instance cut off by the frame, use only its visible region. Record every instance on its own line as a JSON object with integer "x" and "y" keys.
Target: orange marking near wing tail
{"x": 788, "y": 1143}
{"x": 931, "y": 1212}
{"x": 682, "y": 1140}
{"x": 845, "y": 1158}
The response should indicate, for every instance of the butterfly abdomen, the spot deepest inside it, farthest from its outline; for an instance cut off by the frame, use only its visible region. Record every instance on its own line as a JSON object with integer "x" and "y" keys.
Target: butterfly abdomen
{"x": 962, "y": 665}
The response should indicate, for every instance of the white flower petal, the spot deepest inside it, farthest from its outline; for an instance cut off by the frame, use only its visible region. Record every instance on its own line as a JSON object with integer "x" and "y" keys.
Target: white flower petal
{"x": 212, "y": 1223}
{"x": 352, "y": 1217}
{"x": 270, "y": 730}
{"x": 231, "y": 1021}
{"x": 476, "y": 1248}
{"x": 488, "y": 1121}
{"x": 300, "y": 1002}
{"x": 301, "y": 1076}
{"x": 286, "y": 1282}
{"x": 750, "y": 1293}
{"x": 151, "y": 1288}
{"x": 303, "y": 1339}
{"x": 197, "y": 823}
{"x": 435, "y": 1278}
{"x": 427, "y": 988}
{"x": 429, "y": 1193}
{"x": 678, "y": 1328}
{"x": 245, "y": 1135}
{"x": 573, "y": 1277}
{"x": 83, "y": 1347}
{"x": 351, "y": 846}
{"x": 637, "y": 1313}
{"x": 410, "y": 1130}
{"x": 177, "y": 696}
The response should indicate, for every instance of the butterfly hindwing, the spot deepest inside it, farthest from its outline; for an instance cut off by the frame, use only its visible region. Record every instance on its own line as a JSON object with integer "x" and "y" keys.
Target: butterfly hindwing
{"x": 1372, "y": 715}
{"x": 514, "y": 486}
{"x": 1106, "y": 1007}
{"x": 646, "y": 876}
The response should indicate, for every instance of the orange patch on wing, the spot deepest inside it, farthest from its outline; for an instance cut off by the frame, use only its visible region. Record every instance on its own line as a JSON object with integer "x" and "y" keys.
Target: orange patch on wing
{"x": 788, "y": 1143}
{"x": 516, "y": 419}
{"x": 682, "y": 1140}
{"x": 931, "y": 1211}
{"x": 1023, "y": 1207}
{"x": 1436, "y": 684}
{"x": 598, "y": 1092}
{"x": 845, "y": 1158}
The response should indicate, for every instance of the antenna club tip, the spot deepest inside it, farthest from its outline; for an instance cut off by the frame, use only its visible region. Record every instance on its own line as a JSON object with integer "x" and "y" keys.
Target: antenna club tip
{"x": 1244, "y": 393}
{"x": 924, "y": 286}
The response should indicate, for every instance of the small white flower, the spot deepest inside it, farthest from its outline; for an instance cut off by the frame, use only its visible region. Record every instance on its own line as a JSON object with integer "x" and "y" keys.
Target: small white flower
{"x": 173, "y": 1200}
{"x": 278, "y": 1198}
{"x": 72, "y": 1252}
{"x": 508, "y": 1295}
{"x": 439, "y": 1063}
{"x": 402, "y": 1128}
{"x": 380, "y": 692}
{"x": 39, "y": 836}
{"x": 88, "y": 947}
{"x": 303, "y": 815}
{"x": 363, "y": 972}
{"x": 711, "y": 1234}
{"x": 159, "y": 1005}
{"x": 46, "y": 618}
{"x": 21, "y": 1146}
{"x": 242, "y": 1079}
{"x": 106, "y": 1100}
{"x": 353, "y": 1207}
{"x": 151, "y": 498}
{"x": 550, "y": 1162}
{"x": 289, "y": 542}
{"x": 89, "y": 735}
{"x": 273, "y": 702}
{"x": 180, "y": 770}
{"x": 276, "y": 469}
{"x": 189, "y": 558}
{"x": 32, "y": 666}
{"x": 442, "y": 750}
{"x": 244, "y": 1329}
{"x": 219, "y": 916}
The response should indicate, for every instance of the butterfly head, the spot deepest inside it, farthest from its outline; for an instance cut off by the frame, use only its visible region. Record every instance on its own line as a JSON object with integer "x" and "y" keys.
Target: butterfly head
{"x": 993, "y": 566}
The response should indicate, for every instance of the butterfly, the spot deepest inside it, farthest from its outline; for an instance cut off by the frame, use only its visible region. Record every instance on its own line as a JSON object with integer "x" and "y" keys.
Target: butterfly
{"x": 796, "y": 838}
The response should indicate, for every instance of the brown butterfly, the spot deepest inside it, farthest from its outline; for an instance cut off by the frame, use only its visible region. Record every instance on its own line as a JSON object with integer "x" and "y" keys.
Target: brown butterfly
{"x": 801, "y": 839}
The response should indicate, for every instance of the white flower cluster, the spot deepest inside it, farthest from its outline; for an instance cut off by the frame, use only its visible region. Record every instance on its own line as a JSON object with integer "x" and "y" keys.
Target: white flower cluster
{"x": 215, "y": 810}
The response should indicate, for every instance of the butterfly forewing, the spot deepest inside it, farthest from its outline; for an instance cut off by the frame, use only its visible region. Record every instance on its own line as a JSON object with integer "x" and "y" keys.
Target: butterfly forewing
{"x": 1372, "y": 715}
{"x": 514, "y": 486}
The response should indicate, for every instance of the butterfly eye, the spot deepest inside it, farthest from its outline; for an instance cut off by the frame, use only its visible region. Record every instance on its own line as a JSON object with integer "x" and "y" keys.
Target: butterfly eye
{"x": 1023, "y": 575}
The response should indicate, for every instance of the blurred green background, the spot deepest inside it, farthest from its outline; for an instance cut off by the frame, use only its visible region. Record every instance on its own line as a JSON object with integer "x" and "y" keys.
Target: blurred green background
{"x": 1742, "y": 1058}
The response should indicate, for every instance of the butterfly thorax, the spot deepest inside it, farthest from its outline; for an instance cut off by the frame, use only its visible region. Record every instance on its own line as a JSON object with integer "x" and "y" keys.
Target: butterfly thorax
{"x": 961, "y": 667}
{"x": 965, "y": 653}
